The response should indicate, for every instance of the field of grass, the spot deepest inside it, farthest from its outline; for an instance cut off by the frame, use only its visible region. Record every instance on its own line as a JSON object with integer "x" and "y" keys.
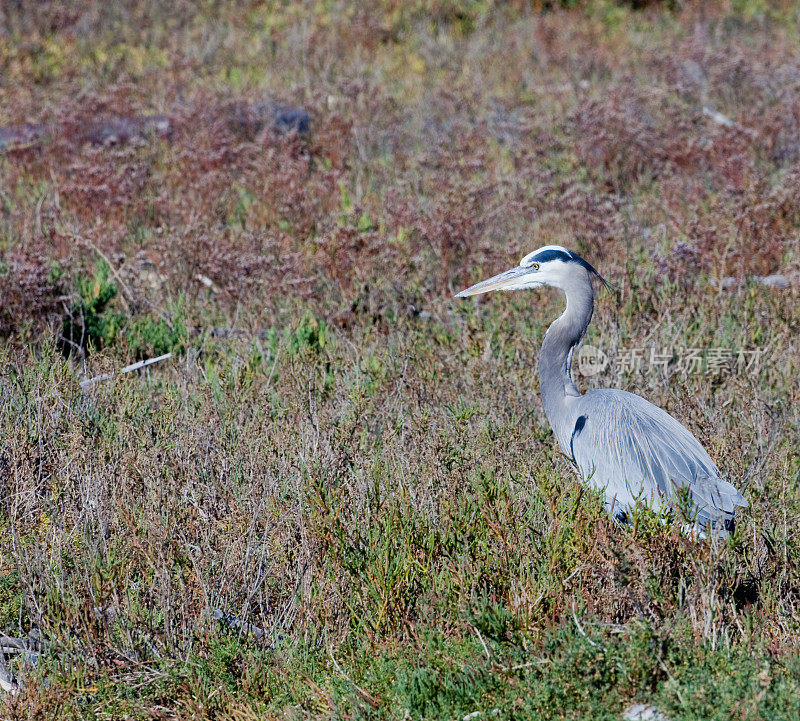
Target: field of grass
{"x": 339, "y": 453}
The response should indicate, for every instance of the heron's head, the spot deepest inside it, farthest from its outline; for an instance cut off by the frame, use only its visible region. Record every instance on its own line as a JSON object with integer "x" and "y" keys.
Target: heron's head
{"x": 551, "y": 265}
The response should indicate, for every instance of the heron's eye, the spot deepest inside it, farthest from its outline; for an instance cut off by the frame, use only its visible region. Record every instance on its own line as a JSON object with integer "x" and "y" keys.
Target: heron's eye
{"x": 535, "y": 266}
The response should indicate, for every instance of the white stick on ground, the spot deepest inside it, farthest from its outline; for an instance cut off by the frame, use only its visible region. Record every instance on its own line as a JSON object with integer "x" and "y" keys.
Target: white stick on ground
{"x": 126, "y": 369}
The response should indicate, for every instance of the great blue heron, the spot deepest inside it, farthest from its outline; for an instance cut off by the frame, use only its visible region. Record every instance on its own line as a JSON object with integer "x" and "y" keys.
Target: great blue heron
{"x": 621, "y": 444}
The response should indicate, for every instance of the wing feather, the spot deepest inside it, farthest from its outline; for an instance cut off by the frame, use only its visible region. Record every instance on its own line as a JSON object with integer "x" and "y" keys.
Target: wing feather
{"x": 634, "y": 450}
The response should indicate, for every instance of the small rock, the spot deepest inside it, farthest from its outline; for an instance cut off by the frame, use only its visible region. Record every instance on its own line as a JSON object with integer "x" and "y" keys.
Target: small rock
{"x": 770, "y": 281}
{"x": 120, "y": 130}
{"x": 774, "y": 281}
{"x": 726, "y": 283}
{"x": 249, "y": 119}
{"x": 106, "y": 131}
{"x": 643, "y": 712}
{"x": 288, "y": 118}
{"x": 718, "y": 117}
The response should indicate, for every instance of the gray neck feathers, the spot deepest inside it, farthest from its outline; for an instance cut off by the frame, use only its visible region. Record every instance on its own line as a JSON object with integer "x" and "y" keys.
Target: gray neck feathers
{"x": 555, "y": 359}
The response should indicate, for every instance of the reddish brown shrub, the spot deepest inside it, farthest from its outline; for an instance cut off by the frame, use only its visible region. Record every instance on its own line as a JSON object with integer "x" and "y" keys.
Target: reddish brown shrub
{"x": 619, "y": 135}
{"x": 29, "y": 293}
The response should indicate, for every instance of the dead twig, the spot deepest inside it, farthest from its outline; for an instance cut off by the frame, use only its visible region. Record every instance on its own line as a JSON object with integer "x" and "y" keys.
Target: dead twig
{"x": 232, "y": 621}
{"x": 364, "y": 694}
{"x": 127, "y": 369}
{"x": 89, "y": 244}
{"x": 483, "y": 643}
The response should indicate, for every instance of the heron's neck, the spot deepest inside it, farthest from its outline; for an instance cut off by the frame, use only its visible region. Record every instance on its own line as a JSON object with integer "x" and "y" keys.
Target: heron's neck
{"x": 555, "y": 359}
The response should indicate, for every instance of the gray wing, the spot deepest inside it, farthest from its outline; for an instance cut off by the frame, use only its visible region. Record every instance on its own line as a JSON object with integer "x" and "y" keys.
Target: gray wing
{"x": 634, "y": 450}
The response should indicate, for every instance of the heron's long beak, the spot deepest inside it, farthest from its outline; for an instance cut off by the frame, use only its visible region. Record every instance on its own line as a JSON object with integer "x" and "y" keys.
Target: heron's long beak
{"x": 498, "y": 282}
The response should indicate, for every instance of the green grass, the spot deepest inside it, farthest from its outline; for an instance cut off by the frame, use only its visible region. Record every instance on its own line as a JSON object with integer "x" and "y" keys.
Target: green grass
{"x": 486, "y": 670}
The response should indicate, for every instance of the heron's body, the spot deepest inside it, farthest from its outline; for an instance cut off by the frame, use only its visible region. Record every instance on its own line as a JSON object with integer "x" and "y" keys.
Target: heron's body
{"x": 621, "y": 444}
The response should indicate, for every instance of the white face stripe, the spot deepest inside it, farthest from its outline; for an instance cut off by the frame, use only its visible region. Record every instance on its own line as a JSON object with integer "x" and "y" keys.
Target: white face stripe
{"x": 551, "y": 265}
{"x": 528, "y": 257}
